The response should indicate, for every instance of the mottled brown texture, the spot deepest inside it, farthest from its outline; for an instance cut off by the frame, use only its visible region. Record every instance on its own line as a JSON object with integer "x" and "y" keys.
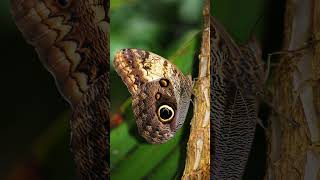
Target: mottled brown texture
{"x": 72, "y": 42}
{"x": 149, "y": 77}
{"x": 145, "y": 108}
{"x": 90, "y": 135}
{"x": 237, "y": 76}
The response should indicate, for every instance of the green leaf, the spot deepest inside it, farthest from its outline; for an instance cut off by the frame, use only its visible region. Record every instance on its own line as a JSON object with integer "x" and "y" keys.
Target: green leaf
{"x": 122, "y": 143}
{"x": 183, "y": 50}
{"x": 143, "y": 159}
{"x": 167, "y": 168}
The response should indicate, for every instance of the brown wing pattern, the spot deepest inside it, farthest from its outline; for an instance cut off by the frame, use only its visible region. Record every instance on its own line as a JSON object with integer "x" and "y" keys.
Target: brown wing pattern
{"x": 142, "y": 72}
{"x": 72, "y": 41}
{"x": 234, "y": 116}
{"x": 145, "y": 105}
{"x": 234, "y": 75}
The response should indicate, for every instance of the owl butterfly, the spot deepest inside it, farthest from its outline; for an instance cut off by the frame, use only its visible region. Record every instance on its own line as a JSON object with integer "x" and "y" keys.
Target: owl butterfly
{"x": 71, "y": 39}
{"x": 237, "y": 76}
{"x": 160, "y": 93}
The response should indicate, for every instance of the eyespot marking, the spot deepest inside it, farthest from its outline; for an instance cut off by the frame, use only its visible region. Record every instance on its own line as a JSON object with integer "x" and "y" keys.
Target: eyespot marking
{"x": 164, "y": 82}
{"x": 158, "y": 96}
{"x": 165, "y": 113}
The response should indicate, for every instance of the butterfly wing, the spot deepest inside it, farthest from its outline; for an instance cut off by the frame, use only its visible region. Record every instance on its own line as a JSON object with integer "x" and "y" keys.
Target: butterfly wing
{"x": 233, "y": 126}
{"x": 157, "y": 88}
{"x": 71, "y": 41}
{"x": 233, "y": 104}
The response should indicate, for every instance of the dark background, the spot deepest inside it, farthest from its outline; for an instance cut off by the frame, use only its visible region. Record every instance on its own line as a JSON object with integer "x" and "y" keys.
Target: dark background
{"x": 34, "y": 117}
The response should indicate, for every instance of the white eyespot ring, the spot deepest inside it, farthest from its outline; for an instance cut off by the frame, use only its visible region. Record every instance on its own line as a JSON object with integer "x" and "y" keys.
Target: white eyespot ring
{"x": 165, "y": 113}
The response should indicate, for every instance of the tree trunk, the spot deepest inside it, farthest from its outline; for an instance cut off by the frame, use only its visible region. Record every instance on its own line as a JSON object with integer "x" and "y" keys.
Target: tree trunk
{"x": 293, "y": 152}
{"x": 198, "y": 149}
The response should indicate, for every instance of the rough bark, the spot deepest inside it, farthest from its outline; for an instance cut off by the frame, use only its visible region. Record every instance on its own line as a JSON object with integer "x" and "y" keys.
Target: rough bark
{"x": 198, "y": 149}
{"x": 293, "y": 152}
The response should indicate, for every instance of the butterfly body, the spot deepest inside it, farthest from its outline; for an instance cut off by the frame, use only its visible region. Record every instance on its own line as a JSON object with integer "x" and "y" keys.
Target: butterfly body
{"x": 160, "y": 93}
{"x": 237, "y": 77}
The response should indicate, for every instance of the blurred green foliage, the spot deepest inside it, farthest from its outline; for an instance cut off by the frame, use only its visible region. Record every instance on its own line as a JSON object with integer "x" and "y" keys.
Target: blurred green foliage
{"x": 171, "y": 29}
